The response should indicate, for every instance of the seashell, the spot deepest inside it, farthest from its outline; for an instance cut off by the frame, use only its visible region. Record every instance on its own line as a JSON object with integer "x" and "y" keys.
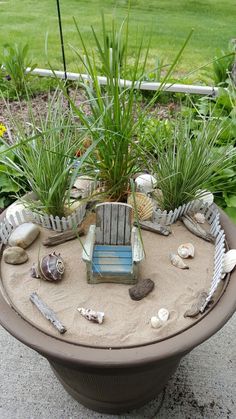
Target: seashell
{"x": 163, "y": 314}
{"x": 156, "y": 323}
{"x": 145, "y": 183}
{"x": 199, "y": 217}
{"x": 177, "y": 261}
{"x": 51, "y": 267}
{"x": 85, "y": 185}
{"x": 73, "y": 206}
{"x": 195, "y": 308}
{"x": 13, "y": 209}
{"x": 186, "y": 250}
{"x": 206, "y": 196}
{"x": 142, "y": 204}
{"x": 91, "y": 315}
{"x": 229, "y": 261}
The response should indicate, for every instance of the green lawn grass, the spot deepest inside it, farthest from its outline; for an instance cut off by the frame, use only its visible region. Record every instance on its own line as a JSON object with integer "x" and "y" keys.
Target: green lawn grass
{"x": 170, "y": 21}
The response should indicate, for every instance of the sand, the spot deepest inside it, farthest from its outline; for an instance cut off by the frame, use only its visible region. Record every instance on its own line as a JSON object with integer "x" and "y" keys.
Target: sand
{"x": 127, "y": 322}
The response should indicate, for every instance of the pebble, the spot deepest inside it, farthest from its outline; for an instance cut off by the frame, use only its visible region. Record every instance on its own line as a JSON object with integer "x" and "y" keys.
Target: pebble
{"x": 156, "y": 323}
{"x": 141, "y": 289}
{"x": 24, "y": 235}
{"x": 15, "y": 255}
{"x": 163, "y": 314}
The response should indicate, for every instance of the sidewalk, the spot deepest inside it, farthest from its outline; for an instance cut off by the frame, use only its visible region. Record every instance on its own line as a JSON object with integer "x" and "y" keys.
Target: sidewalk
{"x": 204, "y": 385}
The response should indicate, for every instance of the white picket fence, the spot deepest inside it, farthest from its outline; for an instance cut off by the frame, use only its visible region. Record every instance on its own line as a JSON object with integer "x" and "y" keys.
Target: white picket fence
{"x": 170, "y": 217}
{"x": 47, "y": 221}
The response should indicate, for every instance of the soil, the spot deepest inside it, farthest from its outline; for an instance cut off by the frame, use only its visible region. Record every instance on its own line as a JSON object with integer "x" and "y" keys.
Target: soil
{"x": 19, "y": 110}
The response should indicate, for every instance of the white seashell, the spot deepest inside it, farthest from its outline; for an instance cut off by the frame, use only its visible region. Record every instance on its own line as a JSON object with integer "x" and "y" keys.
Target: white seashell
{"x": 13, "y": 209}
{"x": 177, "y": 261}
{"x": 186, "y": 250}
{"x": 199, "y": 217}
{"x": 143, "y": 205}
{"x": 145, "y": 183}
{"x": 163, "y": 314}
{"x": 72, "y": 207}
{"x": 229, "y": 261}
{"x": 91, "y": 315}
{"x": 207, "y": 197}
{"x": 85, "y": 185}
{"x": 156, "y": 323}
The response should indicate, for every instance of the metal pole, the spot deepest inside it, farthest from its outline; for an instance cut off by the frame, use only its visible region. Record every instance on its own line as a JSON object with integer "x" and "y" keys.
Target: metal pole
{"x": 62, "y": 43}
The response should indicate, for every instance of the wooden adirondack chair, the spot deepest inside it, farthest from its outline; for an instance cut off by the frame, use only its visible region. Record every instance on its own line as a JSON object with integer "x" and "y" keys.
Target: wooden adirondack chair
{"x": 113, "y": 249}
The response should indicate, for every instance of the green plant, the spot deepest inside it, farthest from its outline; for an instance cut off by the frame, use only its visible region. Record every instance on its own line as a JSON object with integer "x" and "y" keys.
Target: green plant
{"x": 12, "y": 183}
{"x": 222, "y": 65}
{"x": 15, "y": 60}
{"x": 115, "y": 115}
{"x": 44, "y": 151}
{"x": 186, "y": 162}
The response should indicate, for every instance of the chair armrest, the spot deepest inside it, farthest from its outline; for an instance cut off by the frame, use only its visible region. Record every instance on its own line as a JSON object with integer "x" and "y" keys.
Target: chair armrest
{"x": 88, "y": 245}
{"x": 137, "y": 247}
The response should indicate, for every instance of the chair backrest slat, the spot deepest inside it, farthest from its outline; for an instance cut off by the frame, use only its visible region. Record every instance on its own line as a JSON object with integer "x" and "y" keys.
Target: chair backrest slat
{"x": 113, "y": 223}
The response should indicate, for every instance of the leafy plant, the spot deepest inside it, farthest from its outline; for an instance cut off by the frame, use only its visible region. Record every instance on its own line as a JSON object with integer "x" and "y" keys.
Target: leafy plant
{"x": 222, "y": 65}
{"x": 12, "y": 182}
{"x": 15, "y": 60}
{"x": 186, "y": 162}
{"x": 45, "y": 151}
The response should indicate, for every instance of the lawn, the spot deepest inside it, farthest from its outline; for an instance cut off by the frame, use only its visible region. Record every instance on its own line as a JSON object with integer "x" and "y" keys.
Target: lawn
{"x": 169, "y": 21}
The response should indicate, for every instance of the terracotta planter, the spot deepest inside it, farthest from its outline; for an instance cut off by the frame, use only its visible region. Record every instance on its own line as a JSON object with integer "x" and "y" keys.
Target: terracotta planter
{"x": 116, "y": 380}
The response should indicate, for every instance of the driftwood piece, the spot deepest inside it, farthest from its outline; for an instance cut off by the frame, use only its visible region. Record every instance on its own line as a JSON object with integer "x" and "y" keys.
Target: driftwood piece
{"x": 196, "y": 229}
{"x": 154, "y": 227}
{"x": 47, "y": 312}
{"x": 63, "y": 237}
{"x": 141, "y": 289}
{"x": 195, "y": 308}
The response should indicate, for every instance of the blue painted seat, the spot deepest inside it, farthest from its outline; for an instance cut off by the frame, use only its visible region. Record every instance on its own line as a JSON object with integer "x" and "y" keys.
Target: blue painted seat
{"x": 112, "y": 260}
{"x": 112, "y": 249}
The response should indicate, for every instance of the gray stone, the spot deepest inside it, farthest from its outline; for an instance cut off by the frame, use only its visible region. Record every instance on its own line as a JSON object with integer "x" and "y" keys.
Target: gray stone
{"x": 24, "y": 235}
{"x": 15, "y": 255}
{"x": 141, "y": 289}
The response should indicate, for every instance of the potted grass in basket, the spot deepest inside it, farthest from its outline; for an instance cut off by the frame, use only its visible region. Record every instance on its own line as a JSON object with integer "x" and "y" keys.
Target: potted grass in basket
{"x": 185, "y": 162}
{"x": 44, "y": 147}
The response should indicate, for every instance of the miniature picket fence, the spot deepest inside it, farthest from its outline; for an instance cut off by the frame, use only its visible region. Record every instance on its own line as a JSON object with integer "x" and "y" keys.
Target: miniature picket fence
{"x": 45, "y": 220}
{"x": 59, "y": 224}
{"x": 212, "y": 217}
{"x": 170, "y": 217}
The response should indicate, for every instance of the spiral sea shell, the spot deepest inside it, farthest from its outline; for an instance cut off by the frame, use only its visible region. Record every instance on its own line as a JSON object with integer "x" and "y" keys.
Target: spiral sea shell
{"x": 51, "y": 267}
{"x": 177, "y": 261}
{"x": 229, "y": 261}
{"x": 142, "y": 204}
{"x": 186, "y": 250}
{"x": 92, "y": 315}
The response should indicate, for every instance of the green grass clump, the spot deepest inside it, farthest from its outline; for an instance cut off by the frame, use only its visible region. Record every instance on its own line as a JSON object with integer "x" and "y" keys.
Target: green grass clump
{"x": 44, "y": 149}
{"x": 187, "y": 160}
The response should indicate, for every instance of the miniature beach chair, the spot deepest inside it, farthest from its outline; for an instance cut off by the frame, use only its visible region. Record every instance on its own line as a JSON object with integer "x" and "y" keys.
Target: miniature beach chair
{"x": 113, "y": 248}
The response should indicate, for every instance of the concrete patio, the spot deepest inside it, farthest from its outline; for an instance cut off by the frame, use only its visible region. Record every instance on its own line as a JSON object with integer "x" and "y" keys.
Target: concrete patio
{"x": 204, "y": 385}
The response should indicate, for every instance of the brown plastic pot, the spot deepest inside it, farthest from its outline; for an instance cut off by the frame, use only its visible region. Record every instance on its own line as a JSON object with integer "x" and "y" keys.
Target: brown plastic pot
{"x": 116, "y": 380}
